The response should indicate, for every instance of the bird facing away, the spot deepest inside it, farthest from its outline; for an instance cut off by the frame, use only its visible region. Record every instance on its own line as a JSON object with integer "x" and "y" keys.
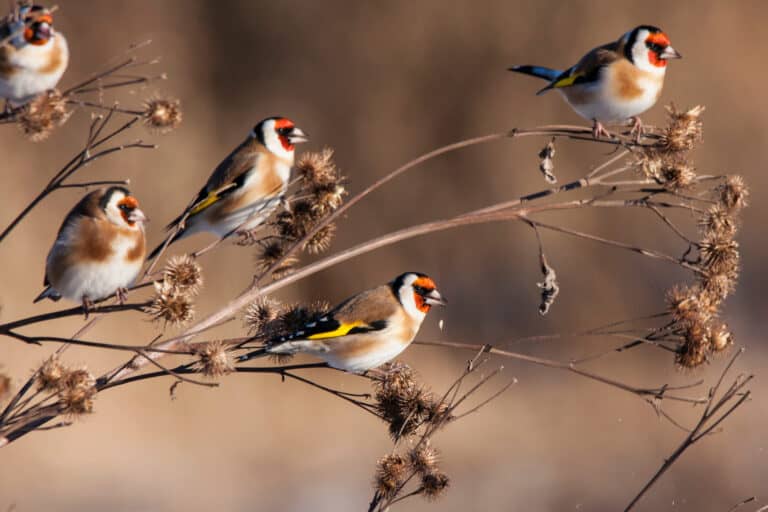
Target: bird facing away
{"x": 35, "y": 56}
{"x": 99, "y": 249}
{"x": 614, "y": 82}
{"x": 366, "y": 330}
{"x": 246, "y": 187}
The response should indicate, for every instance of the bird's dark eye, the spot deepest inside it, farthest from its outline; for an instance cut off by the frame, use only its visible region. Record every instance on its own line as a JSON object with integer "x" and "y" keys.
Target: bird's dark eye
{"x": 124, "y": 207}
{"x": 285, "y": 131}
{"x": 420, "y": 290}
{"x": 655, "y": 47}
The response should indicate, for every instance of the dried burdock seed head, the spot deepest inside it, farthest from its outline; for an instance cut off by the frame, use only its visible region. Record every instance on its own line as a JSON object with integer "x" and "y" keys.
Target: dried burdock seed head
{"x": 42, "y": 115}
{"x": 295, "y": 317}
{"x": 162, "y": 114}
{"x": 717, "y": 287}
{"x": 434, "y": 484}
{"x": 719, "y": 254}
{"x": 50, "y": 375}
{"x": 317, "y": 168}
{"x": 395, "y": 377}
{"x": 691, "y": 356}
{"x": 677, "y": 175}
{"x": 321, "y": 240}
{"x": 689, "y": 305}
{"x": 214, "y": 359}
{"x": 719, "y": 221}
{"x": 391, "y": 471}
{"x": 684, "y": 130}
{"x": 77, "y": 391}
{"x": 720, "y": 338}
{"x": 270, "y": 253}
{"x": 423, "y": 458}
{"x": 546, "y": 162}
{"x": 328, "y": 197}
{"x": 183, "y": 274}
{"x": 305, "y": 216}
{"x": 403, "y": 404}
{"x": 170, "y": 306}
{"x": 650, "y": 164}
{"x": 318, "y": 308}
{"x": 260, "y": 313}
{"x": 733, "y": 193}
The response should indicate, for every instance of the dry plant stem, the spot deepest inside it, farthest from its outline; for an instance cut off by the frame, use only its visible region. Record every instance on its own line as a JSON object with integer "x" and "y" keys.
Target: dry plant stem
{"x": 452, "y": 401}
{"x": 571, "y": 367}
{"x": 74, "y": 311}
{"x": 79, "y": 161}
{"x": 733, "y": 397}
{"x": 475, "y": 217}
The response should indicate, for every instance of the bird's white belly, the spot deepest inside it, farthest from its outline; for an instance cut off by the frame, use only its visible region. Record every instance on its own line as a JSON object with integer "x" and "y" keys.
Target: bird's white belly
{"x": 28, "y": 81}
{"x": 596, "y": 101}
{"x": 95, "y": 280}
{"x": 248, "y": 217}
{"x": 25, "y": 84}
{"x": 352, "y": 353}
{"x": 385, "y": 351}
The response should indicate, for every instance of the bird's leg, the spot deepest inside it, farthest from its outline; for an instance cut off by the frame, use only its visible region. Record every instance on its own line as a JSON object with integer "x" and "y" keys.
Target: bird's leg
{"x": 122, "y": 295}
{"x": 637, "y": 128}
{"x": 87, "y": 306}
{"x": 7, "y": 110}
{"x": 598, "y": 129}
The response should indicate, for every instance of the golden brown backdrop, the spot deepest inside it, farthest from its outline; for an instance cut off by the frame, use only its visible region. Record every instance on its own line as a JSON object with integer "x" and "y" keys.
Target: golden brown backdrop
{"x": 382, "y": 82}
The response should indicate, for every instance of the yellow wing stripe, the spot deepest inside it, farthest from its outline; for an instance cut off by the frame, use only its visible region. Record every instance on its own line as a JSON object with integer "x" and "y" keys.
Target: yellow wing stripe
{"x": 205, "y": 203}
{"x": 567, "y": 81}
{"x": 342, "y": 330}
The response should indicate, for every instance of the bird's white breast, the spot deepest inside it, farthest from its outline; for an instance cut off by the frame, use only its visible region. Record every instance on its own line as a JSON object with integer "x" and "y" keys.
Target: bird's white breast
{"x": 35, "y": 70}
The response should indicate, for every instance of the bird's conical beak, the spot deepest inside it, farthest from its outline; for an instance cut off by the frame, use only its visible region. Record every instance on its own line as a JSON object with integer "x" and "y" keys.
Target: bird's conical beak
{"x": 434, "y": 298}
{"x": 137, "y": 215}
{"x": 670, "y": 53}
{"x": 297, "y": 136}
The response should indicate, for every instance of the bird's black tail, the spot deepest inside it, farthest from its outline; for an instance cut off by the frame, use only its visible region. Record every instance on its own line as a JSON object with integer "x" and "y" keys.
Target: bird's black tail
{"x": 548, "y": 74}
{"x": 179, "y": 234}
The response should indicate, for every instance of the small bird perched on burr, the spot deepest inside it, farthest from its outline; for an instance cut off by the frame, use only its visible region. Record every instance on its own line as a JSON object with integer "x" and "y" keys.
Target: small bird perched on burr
{"x": 366, "y": 330}
{"x": 246, "y": 186}
{"x": 614, "y": 82}
{"x": 99, "y": 249}
{"x": 34, "y": 56}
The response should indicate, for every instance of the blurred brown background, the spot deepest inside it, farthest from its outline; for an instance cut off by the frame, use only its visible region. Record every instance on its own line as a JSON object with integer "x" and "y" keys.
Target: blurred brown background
{"x": 381, "y": 83}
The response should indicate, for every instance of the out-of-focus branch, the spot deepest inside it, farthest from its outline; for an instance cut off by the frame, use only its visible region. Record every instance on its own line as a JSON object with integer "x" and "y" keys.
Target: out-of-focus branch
{"x": 717, "y": 410}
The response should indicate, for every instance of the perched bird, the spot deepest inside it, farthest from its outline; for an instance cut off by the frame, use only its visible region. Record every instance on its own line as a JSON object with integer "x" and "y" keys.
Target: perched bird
{"x": 246, "y": 186}
{"x": 33, "y": 57}
{"x": 614, "y": 82}
{"x": 99, "y": 249}
{"x": 366, "y": 330}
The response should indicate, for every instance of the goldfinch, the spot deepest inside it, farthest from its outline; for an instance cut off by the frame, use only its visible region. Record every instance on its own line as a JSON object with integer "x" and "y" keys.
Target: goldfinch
{"x": 246, "y": 186}
{"x": 366, "y": 330}
{"x": 99, "y": 249}
{"x": 614, "y": 82}
{"x": 34, "y": 56}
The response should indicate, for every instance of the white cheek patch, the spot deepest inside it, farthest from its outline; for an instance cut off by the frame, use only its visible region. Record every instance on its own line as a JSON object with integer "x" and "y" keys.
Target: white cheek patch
{"x": 273, "y": 143}
{"x": 408, "y": 298}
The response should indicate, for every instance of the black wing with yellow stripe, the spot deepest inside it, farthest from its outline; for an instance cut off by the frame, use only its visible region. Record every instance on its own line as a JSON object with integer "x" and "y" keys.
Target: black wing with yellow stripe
{"x": 327, "y": 327}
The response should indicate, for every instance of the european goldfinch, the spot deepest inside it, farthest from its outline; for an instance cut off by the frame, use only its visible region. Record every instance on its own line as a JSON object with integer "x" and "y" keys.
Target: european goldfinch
{"x": 99, "y": 249}
{"x": 246, "y": 186}
{"x": 614, "y": 82}
{"x": 34, "y": 56}
{"x": 366, "y": 330}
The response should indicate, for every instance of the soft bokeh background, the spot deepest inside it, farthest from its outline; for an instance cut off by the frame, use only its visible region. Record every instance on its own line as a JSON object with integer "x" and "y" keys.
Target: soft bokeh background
{"x": 381, "y": 83}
